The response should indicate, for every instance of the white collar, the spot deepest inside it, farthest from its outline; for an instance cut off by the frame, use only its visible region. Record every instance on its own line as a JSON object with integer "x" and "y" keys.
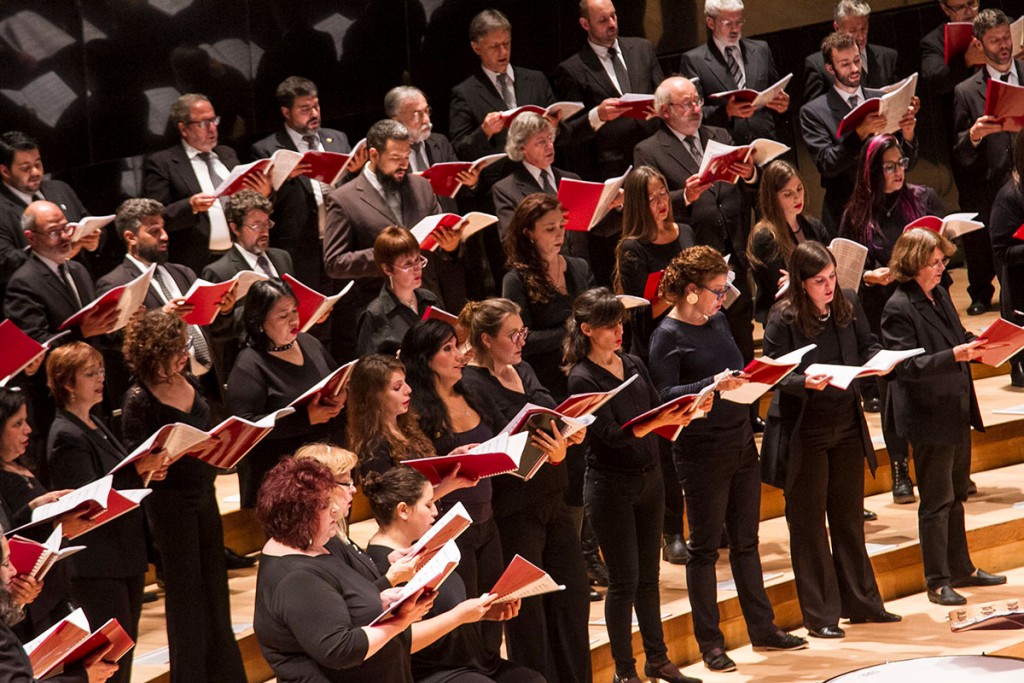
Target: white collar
{"x": 192, "y": 152}
{"x": 602, "y": 51}
{"x": 996, "y": 74}
{"x": 249, "y": 257}
{"x": 23, "y": 196}
{"x": 721, "y": 46}
{"x": 847, "y": 95}
{"x": 493, "y": 75}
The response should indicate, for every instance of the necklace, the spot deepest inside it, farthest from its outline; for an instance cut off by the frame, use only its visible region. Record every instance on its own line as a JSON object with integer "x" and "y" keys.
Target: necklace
{"x": 895, "y": 203}
{"x": 825, "y": 316}
{"x": 282, "y": 347}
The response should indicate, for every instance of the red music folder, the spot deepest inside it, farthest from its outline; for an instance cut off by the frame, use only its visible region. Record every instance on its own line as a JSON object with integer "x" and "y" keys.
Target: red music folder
{"x": 71, "y": 640}
{"x": 672, "y": 432}
{"x": 325, "y": 167}
{"x": 957, "y": 37}
{"x": 329, "y": 387}
{"x": 442, "y": 175}
{"x": 522, "y": 579}
{"x": 1002, "y": 340}
{"x": 236, "y": 179}
{"x": 435, "y": 313}
{"x": 638, "y": 105}
{"x": 19, "y": 350}
{"x": 587, "y": 203}
{"x": 1006, "y": 102}
{"x": 564, "y": 110}
{"x": 95, "y": 503}
{"x": 205, "y": 296}
{"x": 35, "y": 559}
{"x": 312, "y": 304}
{"x": 468, "y": 225}
{"x": 500, "y": 455}
{"x": 126, "y": 299}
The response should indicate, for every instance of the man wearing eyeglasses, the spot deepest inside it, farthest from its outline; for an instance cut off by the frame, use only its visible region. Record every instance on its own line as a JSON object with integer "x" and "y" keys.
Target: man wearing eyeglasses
{"x": 728, "y": 61}
{"x": 938, "y": 77}
{"x": 183, "y": 178}
{"x": 984, "y": 150}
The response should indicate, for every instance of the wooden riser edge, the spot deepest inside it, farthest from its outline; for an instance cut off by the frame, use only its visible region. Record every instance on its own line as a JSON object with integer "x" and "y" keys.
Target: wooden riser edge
{"x": 899, "y": 573}
{"x": 256, "y": 668}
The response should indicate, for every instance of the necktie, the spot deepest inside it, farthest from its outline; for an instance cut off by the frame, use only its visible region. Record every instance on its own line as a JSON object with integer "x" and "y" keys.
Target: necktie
{"x": 311, "y": 143}
{"x": 264, "y": 264}
{"x": 621, "y": 75}
{"x": 506, "y": 92}
{"x": 420, "y": 156}
{"x": 394, "y": 202}
{"x": 65, "y": 277}
{"x": 546, "y": 185}
{"x": 38, "y": 197}
{"x": 693, "y": 146}
{"x": 214, "y": 176}
{"x": 1005, "y": 78}
{"x": 854, "y": 101}
{"x": 734, "y": 67}
{"x": 200, "y": 349}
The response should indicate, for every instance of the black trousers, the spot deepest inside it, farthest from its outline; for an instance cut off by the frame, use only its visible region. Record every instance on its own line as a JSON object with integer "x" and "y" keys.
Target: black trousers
{"x": 187, "y": 531}
{"x": 550, "y": 634}
{"x": 835, "y": 582}
{"x": 103, "y": 599}
{"x": 480, "y": 568}
{"x": 943, "y": 475}
{"x": 625, "y": 510}
{"x": 673, "y": 517}
{"x": 722, "y": 486}
{"x": 981, "y": 269}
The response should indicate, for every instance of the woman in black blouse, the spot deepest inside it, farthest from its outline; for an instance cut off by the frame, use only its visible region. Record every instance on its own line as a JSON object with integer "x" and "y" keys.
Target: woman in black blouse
{"x": 109, "y": 575}
{"x": 402, "y": 300}
{"x": 881, "y": 206}
{"x": 624, "y": 494}
{"x": 782, "y": 227}
{"x": 715, "y": 457}
{"x": 550, "y": 634}
{"x": 402, "y": 501}
{"x": 277, "y": 367}
{"x": 815, "y": 445}
{"x": 1006, "y": 217}
{"x": 182, "y": 510}
{"x": 543, "y": 283}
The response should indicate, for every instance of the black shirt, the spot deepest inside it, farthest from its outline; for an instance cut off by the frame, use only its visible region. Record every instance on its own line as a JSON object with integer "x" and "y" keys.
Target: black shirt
{"x": 385, "y": 321}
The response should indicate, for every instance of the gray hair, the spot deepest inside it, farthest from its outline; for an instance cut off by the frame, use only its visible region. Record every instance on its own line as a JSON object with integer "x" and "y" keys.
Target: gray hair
{"x": 129, "y": 215}
{"x": 987, "y": 20}
{"x": 712, "y": 8}
{"x": 487, "y": 21}
{"x": 382, "y": 131}
{"x": 181, "y": 110}
{"x": 524, "y": 127}
{"x": 850, "y": 8}
{"x": 393, "y": 100}
{"x": 28, "y": 220}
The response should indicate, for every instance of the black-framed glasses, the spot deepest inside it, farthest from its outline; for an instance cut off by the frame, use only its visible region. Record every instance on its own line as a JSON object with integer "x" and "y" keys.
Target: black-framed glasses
{"x": 419, "y": 264}
{"x": 889, "y": 167}
{"x": 719, "y": 293}
{"x": 961, "y": 9}
{"x": 206, "y": 123}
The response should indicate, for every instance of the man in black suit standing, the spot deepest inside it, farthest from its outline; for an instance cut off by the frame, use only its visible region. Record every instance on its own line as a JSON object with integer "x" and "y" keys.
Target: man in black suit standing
{"x": 183, "y": 178}
{"x": 730, "y": 62}
{"x": 937, "y": 77}
{"x": 835, "y": 157}
{"x": 607, "y": 67}
{"x": 877, "y": 63}
{"x": 299, "y": 202}
{"x": 984, "y": 151}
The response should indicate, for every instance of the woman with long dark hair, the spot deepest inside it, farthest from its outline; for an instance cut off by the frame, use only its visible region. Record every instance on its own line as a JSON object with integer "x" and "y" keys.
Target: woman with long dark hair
{"x": 1006, "y": 217}
{"x": 815, "y": 444}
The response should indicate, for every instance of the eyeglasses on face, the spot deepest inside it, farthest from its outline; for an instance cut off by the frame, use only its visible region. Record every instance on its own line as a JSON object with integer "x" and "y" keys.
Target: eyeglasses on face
{"x": 256, "y": 227}
{"x": 889, "y": 167}
{"x": 418, "y": 264}
{"x": 206, "y": 123}
{"x": 54, "y": 235}
{"x": 719, "y": 293}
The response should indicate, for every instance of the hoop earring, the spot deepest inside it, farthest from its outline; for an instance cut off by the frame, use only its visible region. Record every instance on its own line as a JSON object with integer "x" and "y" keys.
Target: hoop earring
{"x": 692, "y": 298}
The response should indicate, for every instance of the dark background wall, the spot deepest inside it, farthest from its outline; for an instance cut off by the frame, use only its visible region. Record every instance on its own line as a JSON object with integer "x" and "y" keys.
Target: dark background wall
{"x": 93, "y": 79}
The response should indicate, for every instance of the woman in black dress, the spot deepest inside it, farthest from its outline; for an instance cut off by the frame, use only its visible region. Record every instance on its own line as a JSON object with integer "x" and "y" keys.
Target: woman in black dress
{"x": 1006, "y": 217}
{"x": 715, "y": 457}
{"x": 624, "y": 493}
{"x": 182, "y": 509}
{"x": 402, "y": 501}
{"x": 109, "y": 575}
{"x": 279, "y": 364}
{"x": 815, "y": 445}
{"x": 550, "y": 634}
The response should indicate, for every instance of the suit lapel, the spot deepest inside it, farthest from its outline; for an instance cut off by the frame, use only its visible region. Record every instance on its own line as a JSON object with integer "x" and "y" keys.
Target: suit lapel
{"x": 487, "y": 91}
{"x": 716, "y": 65}
{"x": 54, "y": 282}
{"x": 277, "y": 262}
{"x": 182, "y": 167}
{"x": 931, "y": 316}
{"x": 526, "y": 182}
{"x": 838, "y": 107}
{"x": 597, "y": 72}
{"x": 751, "y": 65}
{"x": 372, "y": 198}
{"x": 674, "y": 148}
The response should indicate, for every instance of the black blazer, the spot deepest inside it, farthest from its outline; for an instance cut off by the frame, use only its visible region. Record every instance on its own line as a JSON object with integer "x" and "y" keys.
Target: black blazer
{"x": 77, "y": 456}
{"x": 582, "y": 78}
{"x": 836, "y": 158}
{"x": 881, "y": 71}
{"x": 781, "y": 450}
{"x": 15, "y": 662}
{"x": 296, "y": 219}
{"x": 707, "y": 63}
{"x": 167, "y": 177}
{"x": 38, "y": 302}
{"x": 766, "y": 274}
{"x": 991, "y": 161}
{"x": 720, "y": 217}
{"x": 937, "y": 77}
{"x": 933, "y": 395}
{"x": 1007, "y": 216}
{"x": 438, "y": 149}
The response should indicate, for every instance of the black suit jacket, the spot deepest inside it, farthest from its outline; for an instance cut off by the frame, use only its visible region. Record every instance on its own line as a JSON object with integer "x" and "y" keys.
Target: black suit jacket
{"x": 38, "y": 302}
{"x": 991, "y": 161}
{"x": 438, "y": 149}
{"x": 582, "y": 78}
{"x": 836, "y": 158}
{"x": 708, "y": 64}
{"x": 14, "y": 660}
{"x": 933, "y": 395}
{"x": 720, "y": 217}
{"x": 881, "y": 71}
{"x": 296, "y": 222}
{"x": 937, "y": 77}
{"x": 1007, "y": 215}
{"x": 168, "y": 177}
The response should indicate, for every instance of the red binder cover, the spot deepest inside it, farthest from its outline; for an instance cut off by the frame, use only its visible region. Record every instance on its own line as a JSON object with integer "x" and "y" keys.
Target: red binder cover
{"x": 651, "y": 288}
{"x": 69, "y": 642}
{"x": 442, "y": 175}
{"x": 957, "y": 37}
{"x": 638, "y": 105}
{"x": 205, "y": 296}
{"x": 566, "y": 110}
{"x": 312, "y": 304}
{"x": 587, "y": 203}
{"x": 329, "y": 387}
{"x": 466, "y": 226}
{"x": 472, "y": 466}
{"x": 1002, "y": 340}
{"x": 1006, "y": 102}
{"x": 435, "y": 313}
{"x": 856, "y": 117}
{"x": 672, "y": 432}
{"x": 236, "y": 179}
{"x": 1018, "y": 234}
{"x": 126, "y": 299}
{"x": 19, "y": 350}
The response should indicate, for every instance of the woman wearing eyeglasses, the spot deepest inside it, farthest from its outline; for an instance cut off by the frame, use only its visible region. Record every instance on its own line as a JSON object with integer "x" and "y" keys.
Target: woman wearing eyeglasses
{"x": 934, "y": 407}
{"x": 881, "y": 206}
{"x": 402, "y": 300}
{"x": 715, "y": 457}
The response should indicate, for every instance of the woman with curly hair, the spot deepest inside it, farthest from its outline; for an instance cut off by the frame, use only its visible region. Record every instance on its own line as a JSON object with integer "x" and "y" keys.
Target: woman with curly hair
{"x": 543, "y": 282}
{"x": 182, "y": 510}
{"x": 715, "y": 457}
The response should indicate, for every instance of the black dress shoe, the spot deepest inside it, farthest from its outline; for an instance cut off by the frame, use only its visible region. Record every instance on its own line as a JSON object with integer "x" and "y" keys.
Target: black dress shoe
{"x": 667, "y": 671}
{"x": 1016, "y": 374}
{"x": 597, "y": 572}
{"x": 945, "y": 595}
{"x": 674, "y": 550}
{"x": 977, "y": 308}
{"x": 716, "y": 660}
{"x": 758, "y": 424}
{"x": 883, "y": 618}
{"x": 626, "y": 678}
{"x": 902, "y": 486}
{"x": 972, "y": 488}
{"x": 827, "y": 632}
{"x": 980, "y": 577}
{"x": 233, "y": 560}
{"x": 870, "y": 516}
{"x": 595, "y": 596}
{"x": 779, "y": 641}
{"x": 872, "y": 405}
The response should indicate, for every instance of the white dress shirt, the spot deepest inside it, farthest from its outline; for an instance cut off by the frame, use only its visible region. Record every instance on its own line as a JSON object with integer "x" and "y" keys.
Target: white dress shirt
{"x": 220, "y": 236}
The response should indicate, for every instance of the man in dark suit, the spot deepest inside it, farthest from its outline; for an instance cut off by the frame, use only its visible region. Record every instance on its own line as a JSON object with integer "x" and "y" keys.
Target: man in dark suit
{"x": 730, "y": 62}
{"x": 384, "y": 194}
{"x": 937, "y": 77}
{"x": 184, "y": 177}
{"x": 607, "y": 67}
{"x": 21, "y": 169}
{"x": 835, "y": 157}
{"x": 719, "y": 212}
{"x": 878, "y": 63}
{"x": 299, "y": 216}
{"x": 983, "y": 149}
